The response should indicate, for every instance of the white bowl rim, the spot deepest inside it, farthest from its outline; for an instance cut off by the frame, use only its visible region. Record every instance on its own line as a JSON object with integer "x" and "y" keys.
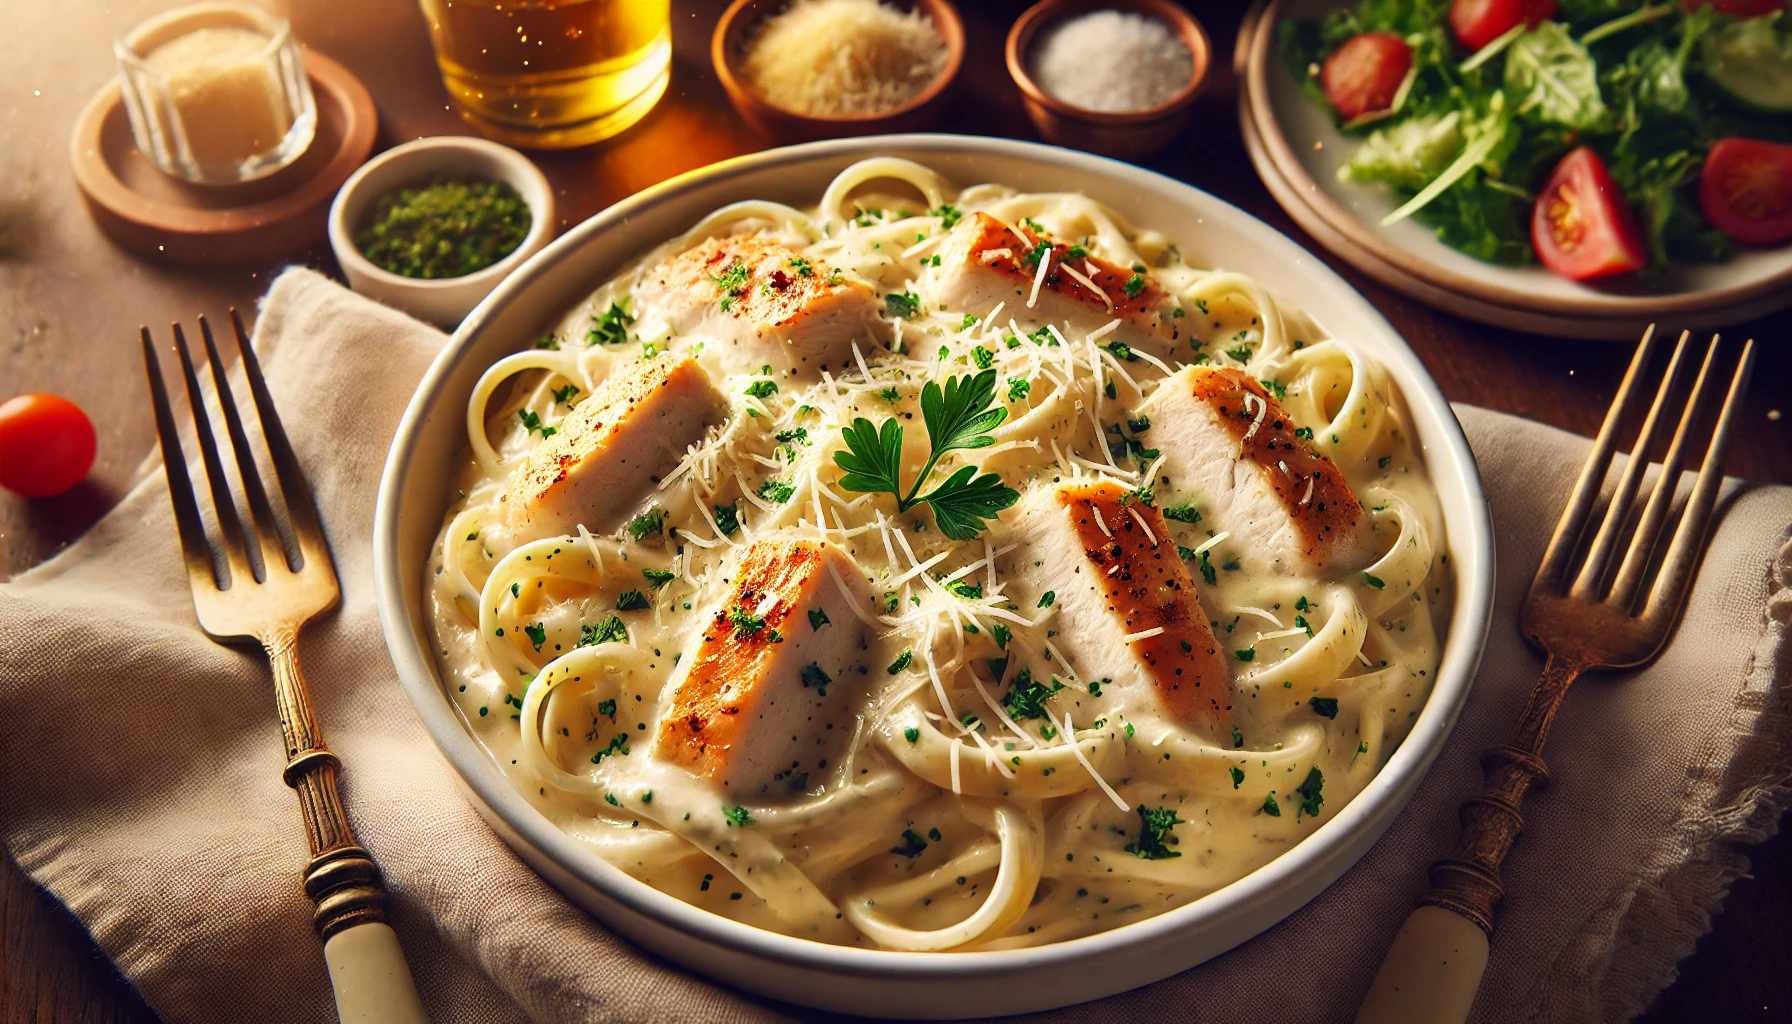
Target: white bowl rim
{"x": 423, "y": 155}
{"x": 478, "y": 773}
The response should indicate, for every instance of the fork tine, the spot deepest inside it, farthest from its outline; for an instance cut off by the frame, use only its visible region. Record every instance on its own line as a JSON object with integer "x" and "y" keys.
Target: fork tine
{"x": 1682, "y": 557}
{"x": 261, "y": 512}
{"x": 1617, "y": 513}
{"x": 1661, "y": 498}
{"x": 194, "y": 550}
{"x": 300, "y": 510}
{"x": 1592, "y": 475}
{"x": 230, "y": 527}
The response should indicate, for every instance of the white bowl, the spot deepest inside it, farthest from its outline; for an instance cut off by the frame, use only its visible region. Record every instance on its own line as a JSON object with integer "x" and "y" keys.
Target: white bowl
{"x": 431, "y": 443}
{"x": 444, "y": 301}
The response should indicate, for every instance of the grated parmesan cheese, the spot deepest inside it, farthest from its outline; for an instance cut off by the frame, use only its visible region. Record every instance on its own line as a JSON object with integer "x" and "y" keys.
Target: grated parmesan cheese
{"x": 834, "y": 58}
{"x": 1112, "y": 61}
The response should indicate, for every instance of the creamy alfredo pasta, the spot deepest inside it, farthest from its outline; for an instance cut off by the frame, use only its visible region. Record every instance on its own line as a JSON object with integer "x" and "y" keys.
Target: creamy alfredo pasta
{"x": 937, "y": 569}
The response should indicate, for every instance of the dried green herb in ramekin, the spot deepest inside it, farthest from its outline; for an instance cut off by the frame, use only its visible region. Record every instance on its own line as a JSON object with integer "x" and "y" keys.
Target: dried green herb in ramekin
{"x": 446, "y": 228}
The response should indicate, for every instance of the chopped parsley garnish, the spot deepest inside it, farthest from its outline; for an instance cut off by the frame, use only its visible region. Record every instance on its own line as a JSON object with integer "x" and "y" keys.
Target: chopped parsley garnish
{"x": 1373, "y": 581}
{"x": 949, "y": 215}
{"x": 1300, "y": 621}
{"x": 802, "y": 267}
{"x": 1076, "y": 252}
{"x": 911, "y": 846}
{"x": 776, "y": 491}
{"x": 736, "y": 816}
{"x": 611, "y": 328}
{"x": 1207, "y": 572}
{"x": 1245, "y": 653}
{"x": 1242, "y": 353}
{"x": 538, "y": 634}
{"x": 794, "y": 434}
{"x": 633, "y": 601}
{"x": 532, "y": 424}
{"x": 1122, "y": 351}
{"x": 1237, "y": 776}
{"x": 1304, "y": 433}
{"x": 1037, "y": 253}
{"x": 1311, "y": 797}
{"x": 902, "y": 661}
{"x": 745, "y": 623}
{"x": 732, "y": 283}
{"x": 965, "y": 589}
{"x": 562, "y": 394}
{"x": 1026, "y": 699}
{"x": 890, "y": 395}
{"x": 1270, "y": 807}
{"x": 647, "y": 524}
{"x": 611, "y": 630}
{"x": 1382, "y": 463}
{"x": 1325, "y": 707}
{"x": 762, "y": 388}
{"x": 548, "y": 341}
{"x": 912, "y": 734}
{"x": 1275, "y": 387}
{"x": 1156, "y": 833}
{"x": 902, "y": 304}
{"x": 1000, "y": 633}
{"x": 1047, "y": 599}
{"x": 983, "y": 357}
{"x": 968, "y": 322}
{"x": 607, "y": 707}
{"x": 1300, "y": 603}
{"x": 618, "y": 745}
{"x": 814, "y": 676}
{"x": 658, "y": 577}
{"x": 1183, "y": 513}
{"x": 1018, "y": 389}
{"x": 728, "y": 519}
{"x": 957, "y": 416}
{"x": 817, "y": 618}
{"x": 1134, "y": 285}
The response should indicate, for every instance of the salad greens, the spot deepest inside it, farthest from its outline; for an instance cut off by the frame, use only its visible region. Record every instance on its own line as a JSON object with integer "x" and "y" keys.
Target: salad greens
{"x": 1472, "y": 136}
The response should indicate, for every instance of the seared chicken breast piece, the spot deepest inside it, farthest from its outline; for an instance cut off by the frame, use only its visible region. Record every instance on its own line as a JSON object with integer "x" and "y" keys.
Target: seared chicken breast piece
{"x": 1231, "y": 450}
{"x": 1127, "y": 609}
{"x": 605, "y": 455}
{"x": 767, "y": 701}
{"x": 984, "y": 262}
{"x": 764, "y": 304}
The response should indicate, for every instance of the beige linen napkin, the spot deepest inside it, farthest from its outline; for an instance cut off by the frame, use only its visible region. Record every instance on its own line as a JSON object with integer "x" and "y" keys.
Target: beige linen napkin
{"x": 140, "y": 782}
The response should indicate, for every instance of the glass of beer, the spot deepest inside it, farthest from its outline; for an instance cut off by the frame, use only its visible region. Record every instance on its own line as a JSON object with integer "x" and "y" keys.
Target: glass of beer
{"x": 552, "y": 74}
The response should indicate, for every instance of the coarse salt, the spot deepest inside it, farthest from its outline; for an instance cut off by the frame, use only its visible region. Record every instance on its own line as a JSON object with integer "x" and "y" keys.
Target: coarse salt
{"x": 1112, "y": 61}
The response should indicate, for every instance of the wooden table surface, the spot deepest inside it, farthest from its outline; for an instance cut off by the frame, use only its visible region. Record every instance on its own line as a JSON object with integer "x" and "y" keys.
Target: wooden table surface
{"x": 70, "y": 303}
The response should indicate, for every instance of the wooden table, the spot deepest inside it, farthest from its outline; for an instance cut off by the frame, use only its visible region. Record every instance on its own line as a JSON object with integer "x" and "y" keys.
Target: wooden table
{"x": 70, "y": 303}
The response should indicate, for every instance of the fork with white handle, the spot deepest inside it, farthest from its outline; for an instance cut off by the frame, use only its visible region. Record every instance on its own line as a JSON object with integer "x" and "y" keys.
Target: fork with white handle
{"x": 275, "y": 575}
{"x": 1584, "y": 611}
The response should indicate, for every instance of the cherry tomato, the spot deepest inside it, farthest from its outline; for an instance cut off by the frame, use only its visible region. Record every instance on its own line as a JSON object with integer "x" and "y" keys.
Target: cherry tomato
{"x": 1736, "y": 8}
{"x": 1479, "y": 22}
{"x": 46, "y": 445}
{"x": 1746, "y": 190}
{"x": 1580, "y": 225}
{"x": 1362, "y": 76}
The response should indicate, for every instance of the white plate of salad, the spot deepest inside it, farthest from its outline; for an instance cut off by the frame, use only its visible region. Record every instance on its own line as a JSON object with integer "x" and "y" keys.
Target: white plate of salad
{"x": 1587, "y": 161}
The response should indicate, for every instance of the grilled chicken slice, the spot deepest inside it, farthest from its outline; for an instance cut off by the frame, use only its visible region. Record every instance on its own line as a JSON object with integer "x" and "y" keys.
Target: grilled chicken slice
{"x": 1231, "y": 449}
{"x": 605, "y": 455}
{"x": 764, "y": 304}
{"x": 1116, "y": 574}
{"x": 985, "y": 262}
{"x": 766, "y": 705}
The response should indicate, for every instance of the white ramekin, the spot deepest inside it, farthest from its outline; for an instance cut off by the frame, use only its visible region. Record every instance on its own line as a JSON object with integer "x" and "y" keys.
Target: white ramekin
{"x": 445, "y": 301}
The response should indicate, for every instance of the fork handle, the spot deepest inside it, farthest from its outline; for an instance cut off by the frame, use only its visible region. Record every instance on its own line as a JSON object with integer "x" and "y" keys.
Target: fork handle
{"x": 367, "y": 968}
{"x": 1436, "y": 962}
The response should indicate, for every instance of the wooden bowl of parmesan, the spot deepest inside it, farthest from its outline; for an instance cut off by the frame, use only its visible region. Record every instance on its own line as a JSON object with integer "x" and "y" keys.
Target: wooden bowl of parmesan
{"x": 1115, "y": 77}
{"x": 819, "y": 69}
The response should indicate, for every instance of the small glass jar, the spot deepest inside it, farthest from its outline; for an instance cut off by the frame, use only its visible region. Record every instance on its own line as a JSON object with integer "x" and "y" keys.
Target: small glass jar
{"x": 216, "y": 92}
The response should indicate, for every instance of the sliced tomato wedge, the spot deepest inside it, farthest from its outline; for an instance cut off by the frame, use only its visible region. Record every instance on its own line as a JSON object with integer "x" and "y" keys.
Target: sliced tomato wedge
{"x": 1580, "y": 225}
{"x": 1364, "y": 75}
{"x": 1479, "y": 22}
{"x": 1735, "y": 8}
{"x": 1745, "y": 190}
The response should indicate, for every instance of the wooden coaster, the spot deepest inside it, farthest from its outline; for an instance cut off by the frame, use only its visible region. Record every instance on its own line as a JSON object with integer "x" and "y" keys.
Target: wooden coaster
{"x": 164, "y": 218}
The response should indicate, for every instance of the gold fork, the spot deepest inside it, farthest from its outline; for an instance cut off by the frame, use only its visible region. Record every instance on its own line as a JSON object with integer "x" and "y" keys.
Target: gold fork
{"x": 274, "y": 576}
{"x": 1582, "y": 616}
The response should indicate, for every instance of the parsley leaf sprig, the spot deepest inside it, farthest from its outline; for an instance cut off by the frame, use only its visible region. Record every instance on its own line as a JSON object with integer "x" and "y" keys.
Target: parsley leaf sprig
{"x": 958, "y": 416}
